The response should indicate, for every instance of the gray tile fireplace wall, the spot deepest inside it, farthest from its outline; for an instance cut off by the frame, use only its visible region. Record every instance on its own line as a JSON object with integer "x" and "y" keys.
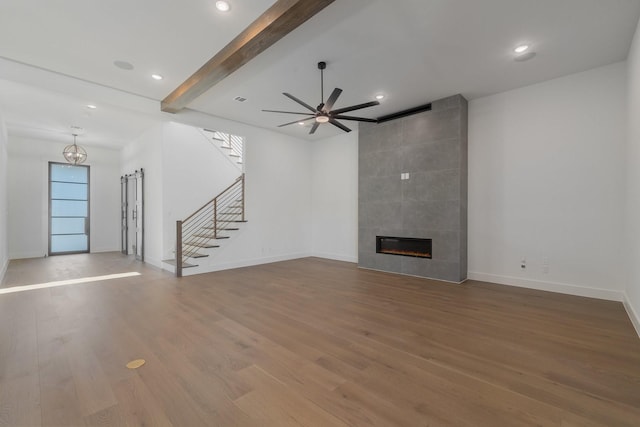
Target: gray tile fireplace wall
{"x": 431, "y": 204}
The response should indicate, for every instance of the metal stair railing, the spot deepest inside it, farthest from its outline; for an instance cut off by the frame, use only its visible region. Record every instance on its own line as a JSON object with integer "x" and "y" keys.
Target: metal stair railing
{"x": 234, "y": 143}
{"x": 204, "y": 225}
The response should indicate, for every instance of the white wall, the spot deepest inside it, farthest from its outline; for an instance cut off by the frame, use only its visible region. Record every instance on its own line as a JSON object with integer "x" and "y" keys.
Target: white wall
{"x": 4, "y": 238}
{"x": 190, "y": 172}
{"x": 632, "y": 211}
{"x": 546, "y": 181}
{"x": 334, "y": 190}
{"x": 28, "y": 193}
{"x": 146, "y": 152}
{"x": 278, "y": 200}
{"x": 194, "y": 172}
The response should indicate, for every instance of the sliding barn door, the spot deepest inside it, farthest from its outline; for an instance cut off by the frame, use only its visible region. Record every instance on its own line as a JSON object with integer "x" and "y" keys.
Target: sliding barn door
{"x": 132, "y": 214}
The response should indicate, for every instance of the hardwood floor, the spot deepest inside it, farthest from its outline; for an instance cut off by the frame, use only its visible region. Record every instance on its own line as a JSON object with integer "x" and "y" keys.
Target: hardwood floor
{"x": 309, "y": 342}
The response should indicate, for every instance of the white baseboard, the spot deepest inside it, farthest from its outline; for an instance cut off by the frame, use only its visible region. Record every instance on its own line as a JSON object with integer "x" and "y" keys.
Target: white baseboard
{"x": 27, "y": 255}
{"x": 633, "y": 315}
{"x": 337, "y": 257}
{"x": 241, "y": 263}
{"x": 156, "y": 263}
{"x": 3, "y": 269}
{"x": 562, "y": 288}
{"x": 102, "y": 250}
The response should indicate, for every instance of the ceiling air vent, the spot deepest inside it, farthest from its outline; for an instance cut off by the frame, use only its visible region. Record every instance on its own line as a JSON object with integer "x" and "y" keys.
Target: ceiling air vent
{"x": 240, "y": 99}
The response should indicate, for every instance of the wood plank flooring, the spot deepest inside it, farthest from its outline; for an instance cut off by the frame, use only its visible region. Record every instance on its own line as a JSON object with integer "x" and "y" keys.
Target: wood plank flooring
{"x": 309, "y": 342}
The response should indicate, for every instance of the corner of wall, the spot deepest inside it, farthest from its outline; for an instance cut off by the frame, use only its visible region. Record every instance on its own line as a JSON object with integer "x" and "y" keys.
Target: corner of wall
{"x": 633, "y": 315}
{"x": 335, "y": 257}
{"x": 631, "y": 245}
{"x": 4, "y": 203}
{"x": 3, "y": 269}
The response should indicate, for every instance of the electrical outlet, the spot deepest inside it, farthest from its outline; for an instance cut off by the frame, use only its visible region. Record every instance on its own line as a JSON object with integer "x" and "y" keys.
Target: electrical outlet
{"x": 523, "y": 263}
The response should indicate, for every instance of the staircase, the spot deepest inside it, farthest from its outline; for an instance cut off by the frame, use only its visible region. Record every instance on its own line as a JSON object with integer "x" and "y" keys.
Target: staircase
{"x": 208, "y": 226}
{"x": 230, "y": 145}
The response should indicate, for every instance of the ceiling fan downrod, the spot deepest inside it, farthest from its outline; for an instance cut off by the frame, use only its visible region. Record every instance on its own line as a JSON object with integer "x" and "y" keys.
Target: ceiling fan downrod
{"x": 321, "y": 66}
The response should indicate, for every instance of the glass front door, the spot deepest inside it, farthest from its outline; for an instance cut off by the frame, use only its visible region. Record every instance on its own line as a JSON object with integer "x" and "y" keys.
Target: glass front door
{"x": 68, "y": 209}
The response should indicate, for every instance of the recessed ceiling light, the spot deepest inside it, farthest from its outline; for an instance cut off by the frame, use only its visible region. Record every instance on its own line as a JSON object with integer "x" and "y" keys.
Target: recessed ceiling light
{"x": 524, "y": 56}
{"x": 91, "y": 106}
{"x": 301, "y": 123}
{"x": 522, "y": 48}
{"x": 156, "y": 76}
{"x": 380, "y": 96}
{"x": 124, "y": 65}
{"x": 223, "y": 6}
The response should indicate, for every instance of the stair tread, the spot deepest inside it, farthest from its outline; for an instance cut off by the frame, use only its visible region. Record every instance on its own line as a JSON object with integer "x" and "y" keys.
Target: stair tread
{"x": 211, "y": 236}
{"x": 222, "y": 229}
{"x": 200, "y": 245}
{"x": 173, "y": 262}
{"x": 194, "y": 254}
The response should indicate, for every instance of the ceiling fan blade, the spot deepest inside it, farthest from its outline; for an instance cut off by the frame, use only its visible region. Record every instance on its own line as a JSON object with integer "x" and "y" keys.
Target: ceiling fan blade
{"x": 339, "y": 125}
{"x": 297, "y": 121}
{"x": 332, "y": 100}
{"x": 286, "y": 112}
{"x": 355, "y": 107}
{"x": 357, "y": 119}
{"x": 304, "y": 104}
{"x": 313, "y": 128}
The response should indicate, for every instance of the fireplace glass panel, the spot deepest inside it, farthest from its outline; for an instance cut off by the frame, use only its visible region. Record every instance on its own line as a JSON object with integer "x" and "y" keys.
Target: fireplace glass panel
{"x": 404, "y": 246}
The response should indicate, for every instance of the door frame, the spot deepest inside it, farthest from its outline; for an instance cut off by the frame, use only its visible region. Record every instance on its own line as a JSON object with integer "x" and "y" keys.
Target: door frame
{"x": 87, "y": 224}
{"x": 138, "y": 222}
{"x": 124, "y": 222}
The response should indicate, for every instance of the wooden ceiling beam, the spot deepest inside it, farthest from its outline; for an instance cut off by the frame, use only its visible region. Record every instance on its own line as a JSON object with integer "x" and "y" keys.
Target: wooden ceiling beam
{"x": 278, "y": 21}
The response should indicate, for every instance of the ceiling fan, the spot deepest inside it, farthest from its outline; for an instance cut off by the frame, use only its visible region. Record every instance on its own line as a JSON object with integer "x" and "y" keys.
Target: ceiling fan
{"x": 323, "y": 113}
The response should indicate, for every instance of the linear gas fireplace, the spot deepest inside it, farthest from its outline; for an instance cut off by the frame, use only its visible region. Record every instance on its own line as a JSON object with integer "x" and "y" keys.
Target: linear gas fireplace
{"x": 406, "y": 246}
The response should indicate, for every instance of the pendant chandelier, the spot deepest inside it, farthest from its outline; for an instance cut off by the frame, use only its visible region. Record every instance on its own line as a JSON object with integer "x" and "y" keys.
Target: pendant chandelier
{"x": 73, "y": 153}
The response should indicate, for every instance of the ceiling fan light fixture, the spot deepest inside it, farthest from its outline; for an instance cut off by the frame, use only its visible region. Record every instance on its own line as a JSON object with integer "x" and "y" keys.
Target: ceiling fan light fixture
{"x": 322, "y": 119}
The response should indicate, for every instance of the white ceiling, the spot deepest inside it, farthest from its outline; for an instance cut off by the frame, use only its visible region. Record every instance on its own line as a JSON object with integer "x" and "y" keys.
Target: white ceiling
{"x": 413, "y": 51}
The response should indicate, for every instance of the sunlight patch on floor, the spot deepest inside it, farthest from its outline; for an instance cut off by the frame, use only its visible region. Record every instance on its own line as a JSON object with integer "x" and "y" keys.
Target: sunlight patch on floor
{"x": 24, "y": 288}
